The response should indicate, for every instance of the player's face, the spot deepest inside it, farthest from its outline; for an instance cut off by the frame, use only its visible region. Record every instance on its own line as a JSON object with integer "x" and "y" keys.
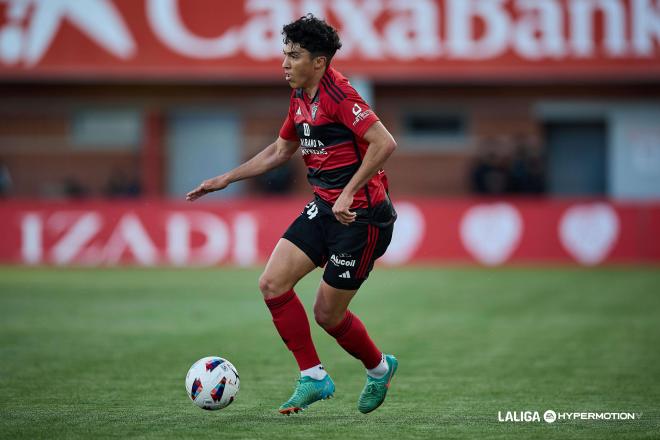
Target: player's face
{"x": 299, "y": 66}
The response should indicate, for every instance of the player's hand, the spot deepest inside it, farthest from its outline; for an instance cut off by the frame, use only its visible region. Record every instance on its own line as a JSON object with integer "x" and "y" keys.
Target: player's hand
{"x": 341, "y": 209}
{"x": 207, "y": 186}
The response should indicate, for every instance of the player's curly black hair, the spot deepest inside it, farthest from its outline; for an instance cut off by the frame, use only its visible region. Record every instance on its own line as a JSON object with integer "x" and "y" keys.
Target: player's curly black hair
{"x": 313, "y": 34}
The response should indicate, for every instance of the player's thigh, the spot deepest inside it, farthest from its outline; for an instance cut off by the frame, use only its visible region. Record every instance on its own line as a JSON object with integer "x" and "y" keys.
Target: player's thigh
{"x": 286, "y": 266}
{"x": 331, "y": 304}
{"x": 298, "y": 252}
{"x": 352, "y": 253}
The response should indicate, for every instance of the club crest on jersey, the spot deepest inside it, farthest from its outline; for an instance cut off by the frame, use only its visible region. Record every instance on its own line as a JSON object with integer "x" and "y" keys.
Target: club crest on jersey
{"x": 315, "y": 108}
{"x": 298, "y": 112}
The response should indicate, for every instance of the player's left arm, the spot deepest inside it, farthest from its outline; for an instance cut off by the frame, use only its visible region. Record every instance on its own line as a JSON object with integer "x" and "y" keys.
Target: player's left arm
{"x": 381, "y": 147}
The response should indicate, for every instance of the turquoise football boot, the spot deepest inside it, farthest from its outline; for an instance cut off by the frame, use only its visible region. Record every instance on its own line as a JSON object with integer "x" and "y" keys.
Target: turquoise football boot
{"x": 308, "y": 391}
{"x": 375, "y": 390}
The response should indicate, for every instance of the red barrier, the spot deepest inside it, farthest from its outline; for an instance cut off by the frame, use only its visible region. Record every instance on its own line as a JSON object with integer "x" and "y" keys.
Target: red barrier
{"x": 243, "y": 232}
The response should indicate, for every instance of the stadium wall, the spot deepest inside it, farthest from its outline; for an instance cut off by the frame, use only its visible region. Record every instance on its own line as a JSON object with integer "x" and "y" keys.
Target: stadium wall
{"x": 40, "y": 147}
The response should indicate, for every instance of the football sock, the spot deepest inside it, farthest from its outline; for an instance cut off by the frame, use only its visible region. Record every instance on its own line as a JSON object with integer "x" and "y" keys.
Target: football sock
{"x": 316, "y": 373}
{"x": 352, "y": 335}
{"x": 380, "y": 370}
{"x": 292, "y": 324}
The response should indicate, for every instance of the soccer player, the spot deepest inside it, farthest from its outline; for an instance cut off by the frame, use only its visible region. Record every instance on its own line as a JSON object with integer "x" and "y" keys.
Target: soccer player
{"x": 345, "y": 228}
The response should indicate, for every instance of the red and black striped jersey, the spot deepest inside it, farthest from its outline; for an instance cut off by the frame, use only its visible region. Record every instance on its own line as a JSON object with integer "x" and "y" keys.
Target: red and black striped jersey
{"x": 330, "y": 127}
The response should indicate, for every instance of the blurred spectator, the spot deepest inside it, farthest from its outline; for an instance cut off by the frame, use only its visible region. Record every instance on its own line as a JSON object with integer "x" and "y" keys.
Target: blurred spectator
{"x": 5, "y": 180}
{"x": 73, "y": 189}
{"x": 536, "y": 167}
{"x": 120, "y": 185}
{"x": 496, "y": 171}
{"x": 527, "y": 174}
{"x": 490, "y": 174}
{"x": 519, "y": 172}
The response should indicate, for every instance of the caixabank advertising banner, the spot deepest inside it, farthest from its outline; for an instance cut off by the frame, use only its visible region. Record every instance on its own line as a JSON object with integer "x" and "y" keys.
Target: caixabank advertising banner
{"x": 237, "y": 41}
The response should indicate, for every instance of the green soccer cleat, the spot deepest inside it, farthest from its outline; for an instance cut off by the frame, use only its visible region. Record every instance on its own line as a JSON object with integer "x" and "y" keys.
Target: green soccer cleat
{"x": 307, "y": 392}
{"x": 375, "y": 390}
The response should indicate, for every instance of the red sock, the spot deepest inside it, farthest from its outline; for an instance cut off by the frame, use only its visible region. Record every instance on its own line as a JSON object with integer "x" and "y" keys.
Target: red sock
{"x": 352, "y": 335}
{"x": 292, "y": 324}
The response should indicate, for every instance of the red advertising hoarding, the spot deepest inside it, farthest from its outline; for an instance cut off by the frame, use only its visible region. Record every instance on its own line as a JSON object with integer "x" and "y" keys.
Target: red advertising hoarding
{"x": 233, "y": 40}
{"x": 243, "y": 232}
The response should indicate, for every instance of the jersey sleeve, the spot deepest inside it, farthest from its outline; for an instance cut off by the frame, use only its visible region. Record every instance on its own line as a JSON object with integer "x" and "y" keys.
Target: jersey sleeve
{"x": 288, "y": 130}
{"x": 355, "y": 113}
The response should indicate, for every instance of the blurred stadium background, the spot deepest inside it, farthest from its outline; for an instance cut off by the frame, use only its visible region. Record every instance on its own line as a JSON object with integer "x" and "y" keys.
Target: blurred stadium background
{"x": 529, "y": 137}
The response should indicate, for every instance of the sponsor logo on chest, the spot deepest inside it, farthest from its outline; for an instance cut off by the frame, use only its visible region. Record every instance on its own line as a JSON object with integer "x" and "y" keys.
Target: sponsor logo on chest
{"x": 311, "y": 143}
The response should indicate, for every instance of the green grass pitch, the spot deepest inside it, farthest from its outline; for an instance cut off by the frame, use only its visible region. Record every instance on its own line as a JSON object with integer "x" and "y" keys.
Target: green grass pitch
{"x": 103, "y": 353}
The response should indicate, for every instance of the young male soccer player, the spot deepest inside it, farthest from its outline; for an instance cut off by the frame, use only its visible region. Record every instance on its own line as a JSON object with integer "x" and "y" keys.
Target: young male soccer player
{"x": 345, "y": 228}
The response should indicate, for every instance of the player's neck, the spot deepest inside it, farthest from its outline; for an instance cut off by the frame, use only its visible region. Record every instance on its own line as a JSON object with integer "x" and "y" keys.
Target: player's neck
{"x": 313, "y": 86}
{"x": 311, "y": 91}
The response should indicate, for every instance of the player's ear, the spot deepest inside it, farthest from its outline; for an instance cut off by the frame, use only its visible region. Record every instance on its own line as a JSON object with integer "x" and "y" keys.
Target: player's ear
{"x": 320, "y": 62}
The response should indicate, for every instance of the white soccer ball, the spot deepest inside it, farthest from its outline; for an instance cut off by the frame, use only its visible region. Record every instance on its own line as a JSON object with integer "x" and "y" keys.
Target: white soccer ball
{"x": 212, "y": 383}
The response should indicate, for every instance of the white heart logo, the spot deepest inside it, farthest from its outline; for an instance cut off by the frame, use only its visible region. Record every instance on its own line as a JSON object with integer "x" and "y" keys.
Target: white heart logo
{"x": 491, "y": 232}
{"x": 588, "y": 232}
{"x": 409, "y": 230}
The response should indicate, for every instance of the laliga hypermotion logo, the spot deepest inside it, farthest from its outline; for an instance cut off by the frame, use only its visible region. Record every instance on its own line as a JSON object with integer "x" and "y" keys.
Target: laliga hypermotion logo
{"x": 31, "y": 25}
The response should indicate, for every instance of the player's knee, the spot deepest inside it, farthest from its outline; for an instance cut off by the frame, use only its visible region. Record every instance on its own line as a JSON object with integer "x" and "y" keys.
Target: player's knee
{"x": 266, "y": 286}
{"x": 269, "y": 287}
{"x": 325, "y": 318}
{"x": 320, "y": 317}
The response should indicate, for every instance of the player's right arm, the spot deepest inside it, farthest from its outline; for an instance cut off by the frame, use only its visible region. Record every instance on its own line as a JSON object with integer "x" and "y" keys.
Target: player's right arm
{"x": 270, "y": 157}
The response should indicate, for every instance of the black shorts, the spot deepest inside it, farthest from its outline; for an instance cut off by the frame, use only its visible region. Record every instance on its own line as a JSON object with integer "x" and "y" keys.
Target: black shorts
{"x": 347, "y": 252}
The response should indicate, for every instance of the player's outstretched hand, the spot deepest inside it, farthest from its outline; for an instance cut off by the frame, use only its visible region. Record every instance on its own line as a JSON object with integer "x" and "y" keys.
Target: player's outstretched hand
{"x": 207, "y": 186}
{"x": 341, "y": 209}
